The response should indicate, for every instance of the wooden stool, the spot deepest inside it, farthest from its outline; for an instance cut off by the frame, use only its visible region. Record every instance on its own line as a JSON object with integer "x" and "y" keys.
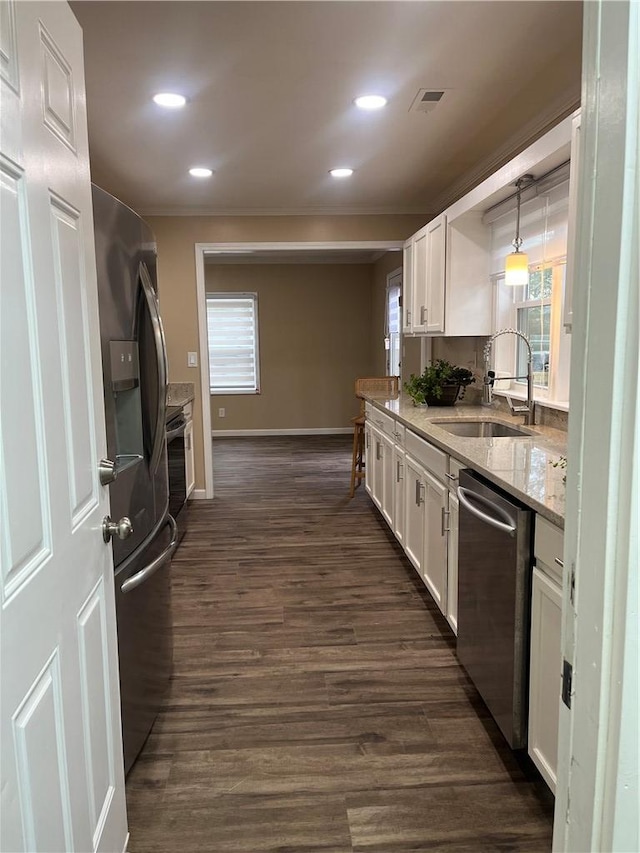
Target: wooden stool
{"x": 380, "y": 386}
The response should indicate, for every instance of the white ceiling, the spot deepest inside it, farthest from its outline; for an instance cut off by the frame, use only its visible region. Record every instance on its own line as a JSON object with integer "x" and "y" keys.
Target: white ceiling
{"x": 270, "y": 88}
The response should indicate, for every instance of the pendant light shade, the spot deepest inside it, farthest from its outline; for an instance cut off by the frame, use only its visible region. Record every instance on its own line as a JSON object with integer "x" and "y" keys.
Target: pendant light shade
{"x": 516, "y": 269}
{"x": 516, "y": 264}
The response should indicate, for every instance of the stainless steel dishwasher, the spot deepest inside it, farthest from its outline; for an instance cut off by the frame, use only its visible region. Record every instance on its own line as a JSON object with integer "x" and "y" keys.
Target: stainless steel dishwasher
{"x": 494, "y": 583}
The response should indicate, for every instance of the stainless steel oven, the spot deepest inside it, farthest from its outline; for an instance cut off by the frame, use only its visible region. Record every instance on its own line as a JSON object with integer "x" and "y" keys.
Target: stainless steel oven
{"x": 176, "y": 424}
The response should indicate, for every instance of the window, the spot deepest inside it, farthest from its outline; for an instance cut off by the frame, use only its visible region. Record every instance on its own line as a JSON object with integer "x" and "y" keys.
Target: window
{"x": 232, "y": 328}
{"x": 392, "y": 331}
{"x": 535, "y": 310}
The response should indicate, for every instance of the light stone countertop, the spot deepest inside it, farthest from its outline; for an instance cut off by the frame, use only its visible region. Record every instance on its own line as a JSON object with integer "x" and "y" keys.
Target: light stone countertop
{"x": 180, "y": 393}
{"x": 520, "y": 466}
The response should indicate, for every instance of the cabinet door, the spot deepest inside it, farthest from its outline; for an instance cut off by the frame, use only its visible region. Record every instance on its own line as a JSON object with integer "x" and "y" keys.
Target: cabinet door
{"x": 386, "y": 475}
{"x": 414, "y": 491}
{"x": 419, "y": 305}
{"x": 398, "y": 487}
{"x": 407, "y": 287}
{"x": 376, "y": 467}
{"x": 435, "y": 548}
{"x": 452, "y": 562}
{"x": 368, "y": 459}
{"x": 435, "y": 274}
{"x": 189, "y": 464}
{"x": 545, "y": 675}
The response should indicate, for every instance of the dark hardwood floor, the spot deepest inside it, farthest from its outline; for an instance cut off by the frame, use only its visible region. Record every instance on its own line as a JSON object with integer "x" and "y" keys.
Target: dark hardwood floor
{"x": 316, "y": 702}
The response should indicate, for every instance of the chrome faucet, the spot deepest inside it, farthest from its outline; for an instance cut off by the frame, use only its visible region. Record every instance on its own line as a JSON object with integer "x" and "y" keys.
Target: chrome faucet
{"x": 490, "y": 377}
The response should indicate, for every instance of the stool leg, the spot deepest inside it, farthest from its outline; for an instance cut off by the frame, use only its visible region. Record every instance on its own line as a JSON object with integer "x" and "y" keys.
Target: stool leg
{"x": 354, "y": 459}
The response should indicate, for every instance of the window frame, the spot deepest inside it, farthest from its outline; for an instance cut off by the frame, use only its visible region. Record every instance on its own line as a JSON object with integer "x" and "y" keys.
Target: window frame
{"x": 253, "y": 296}
{"x": 394, "y": 281}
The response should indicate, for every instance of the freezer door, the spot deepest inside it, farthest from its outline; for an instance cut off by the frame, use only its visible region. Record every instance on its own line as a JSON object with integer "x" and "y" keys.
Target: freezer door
{"x": 145, "y": 640}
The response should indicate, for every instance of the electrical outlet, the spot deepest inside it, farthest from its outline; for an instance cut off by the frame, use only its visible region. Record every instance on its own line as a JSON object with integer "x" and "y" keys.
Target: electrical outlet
{"x": 192, "y": 359}
{"x": 221, "y": 412}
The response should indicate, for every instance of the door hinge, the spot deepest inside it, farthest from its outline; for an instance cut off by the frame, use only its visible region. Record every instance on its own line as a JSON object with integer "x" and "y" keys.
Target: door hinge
{"x": 567, "y": 682}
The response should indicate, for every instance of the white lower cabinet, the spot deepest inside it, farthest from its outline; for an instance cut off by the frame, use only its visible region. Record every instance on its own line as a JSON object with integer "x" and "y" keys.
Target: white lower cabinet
{"x": 545, "y": 676}
{"x": 452, "y": 562}
{"x": 405, "y": 477}
{"x": 399, "y": 466}
{"x": 414, "y": 489}
{"x": 434, "y": 564}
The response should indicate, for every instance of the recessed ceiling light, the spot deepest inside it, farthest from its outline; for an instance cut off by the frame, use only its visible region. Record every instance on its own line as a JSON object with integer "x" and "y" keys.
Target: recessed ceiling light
{"x": 200, "y": 172}
{"x": 370, "y": 102}
{"x": 342, "y": 172}
{"x": 169, "y": 99}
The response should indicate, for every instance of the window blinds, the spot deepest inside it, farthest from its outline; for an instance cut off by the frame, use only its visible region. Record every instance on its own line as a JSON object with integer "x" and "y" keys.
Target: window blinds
{"x": 232, "y": 327}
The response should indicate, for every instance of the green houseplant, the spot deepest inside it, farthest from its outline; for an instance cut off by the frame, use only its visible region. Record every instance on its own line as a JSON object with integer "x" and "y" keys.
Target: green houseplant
{"x": 440, "y": 384}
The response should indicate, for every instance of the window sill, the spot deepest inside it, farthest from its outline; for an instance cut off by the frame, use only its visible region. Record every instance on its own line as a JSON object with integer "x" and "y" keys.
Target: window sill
{"x": 559, "y": 405}
{"x": 231, "y": 391}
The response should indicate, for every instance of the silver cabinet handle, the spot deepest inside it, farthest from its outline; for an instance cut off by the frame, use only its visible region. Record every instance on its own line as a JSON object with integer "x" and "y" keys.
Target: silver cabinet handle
{"x": 377, "y": 450}
{"x": 122, "y": 529}
{"x": 559, "y": 562}
{"x": 141, "y": 576}
{"x": 451, "y": 477}
{"x": 161, "y": 363}
{"x": 408, "y": 323}
{"x": 507, "y": 526}
{"x": 107, "y": 471}
{"x": 398, "y": 469}
{"x": 423, "y": 311}
{"x": 443, "y": 528}
{"x": 419, "y": 493}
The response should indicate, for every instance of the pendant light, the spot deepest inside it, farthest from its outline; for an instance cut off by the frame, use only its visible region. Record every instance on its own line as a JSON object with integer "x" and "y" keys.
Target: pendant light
{"x": 516, "y": 265}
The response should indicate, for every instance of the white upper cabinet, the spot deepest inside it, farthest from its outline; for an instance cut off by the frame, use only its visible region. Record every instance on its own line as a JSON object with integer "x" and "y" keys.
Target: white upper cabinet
{"x": 424, "y": 279}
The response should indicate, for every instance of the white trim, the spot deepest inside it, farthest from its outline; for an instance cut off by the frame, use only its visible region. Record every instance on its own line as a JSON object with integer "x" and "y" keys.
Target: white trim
{"x": 201, "y": 306}
{"x": 405, "y": 210}
{"x": 231, "y": 433}
{"x": 126, "y": 842}
{"x": 198, "y": 495}
{"x": 598, "y": 757}
{"x": 205, "y": 405}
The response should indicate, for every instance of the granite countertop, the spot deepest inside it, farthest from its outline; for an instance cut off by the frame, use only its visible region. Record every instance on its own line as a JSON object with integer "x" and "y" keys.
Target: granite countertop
{"x": 520, "y": 466}
{"x": 180, "y": 393}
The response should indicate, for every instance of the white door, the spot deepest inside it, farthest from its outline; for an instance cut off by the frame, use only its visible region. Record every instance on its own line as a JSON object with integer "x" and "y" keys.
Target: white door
{"x": 419, "y": 305}
{"x": 452, "y": 562}
{"x": 61, "y": 749}
{"x": 386, "y": 473}
{"x": 398, "y": 498}
{"x": 435, "y": 274}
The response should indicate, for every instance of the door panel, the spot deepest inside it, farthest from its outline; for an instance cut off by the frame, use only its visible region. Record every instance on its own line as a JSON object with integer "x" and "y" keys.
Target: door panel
{"x": 60, "y": 740}
{"x": 435, "y": 551}
{"x": 414, "y": 512}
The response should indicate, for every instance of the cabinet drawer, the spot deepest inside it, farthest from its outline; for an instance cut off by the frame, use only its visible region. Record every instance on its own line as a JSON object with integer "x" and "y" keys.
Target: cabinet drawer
{"x": 384, "y": 423}
{"x": 434, "y": 460}
{"x": 453, "y": 477}
{"x": 548, "y": 545}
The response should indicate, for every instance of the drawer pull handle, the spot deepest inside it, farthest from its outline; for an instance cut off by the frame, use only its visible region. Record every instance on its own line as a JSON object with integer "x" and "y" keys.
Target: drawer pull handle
{"x": 559, "y": 562}
{"x": 451, "y": 477}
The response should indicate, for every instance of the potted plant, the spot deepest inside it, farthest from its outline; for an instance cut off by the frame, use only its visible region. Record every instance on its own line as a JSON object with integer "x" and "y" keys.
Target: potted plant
{"x": 440, "y": 384}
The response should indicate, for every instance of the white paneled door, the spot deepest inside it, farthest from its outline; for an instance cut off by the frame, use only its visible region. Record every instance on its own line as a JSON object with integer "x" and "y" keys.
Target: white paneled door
{"x": 61, "y": 750}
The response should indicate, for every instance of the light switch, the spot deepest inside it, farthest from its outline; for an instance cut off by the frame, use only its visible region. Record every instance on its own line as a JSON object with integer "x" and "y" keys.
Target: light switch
{"x": 192, "y": 359}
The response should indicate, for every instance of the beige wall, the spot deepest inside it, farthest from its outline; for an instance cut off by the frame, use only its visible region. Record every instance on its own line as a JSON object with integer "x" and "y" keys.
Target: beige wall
{"x": 314, "y": 340}
{"x": 177, "y": 236}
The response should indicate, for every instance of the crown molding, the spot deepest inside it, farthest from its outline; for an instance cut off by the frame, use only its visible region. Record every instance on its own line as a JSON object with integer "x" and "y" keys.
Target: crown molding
{"x": 319, "y": 211}
{"x": 558, "y": 110}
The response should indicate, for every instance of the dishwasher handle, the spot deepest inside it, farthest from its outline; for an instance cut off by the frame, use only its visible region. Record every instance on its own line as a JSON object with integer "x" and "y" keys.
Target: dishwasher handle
{"x": 506, "y": 525}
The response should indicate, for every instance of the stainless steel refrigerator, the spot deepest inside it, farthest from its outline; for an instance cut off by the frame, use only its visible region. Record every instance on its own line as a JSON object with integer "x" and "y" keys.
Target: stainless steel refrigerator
{"x": 144, "y": 534}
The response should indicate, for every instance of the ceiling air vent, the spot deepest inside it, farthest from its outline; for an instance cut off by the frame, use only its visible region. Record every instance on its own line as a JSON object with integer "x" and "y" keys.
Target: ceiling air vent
{"x": 426, "y": 100}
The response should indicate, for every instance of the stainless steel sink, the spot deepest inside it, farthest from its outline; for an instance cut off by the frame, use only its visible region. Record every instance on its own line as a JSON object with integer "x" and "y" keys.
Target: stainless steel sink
{"x": 482, "y": 429}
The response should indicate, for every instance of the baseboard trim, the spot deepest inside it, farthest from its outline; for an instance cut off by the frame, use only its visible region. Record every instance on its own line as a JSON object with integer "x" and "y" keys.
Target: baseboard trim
{"x": 239, "y": 433}
{"x": 198, "y": 495}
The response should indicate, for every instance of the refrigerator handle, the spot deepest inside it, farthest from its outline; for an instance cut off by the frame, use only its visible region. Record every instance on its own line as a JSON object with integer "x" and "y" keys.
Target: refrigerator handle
{"x": 507, "y": 525}
{"x": 141, "y": 576}
{"x": 161, "y": 356}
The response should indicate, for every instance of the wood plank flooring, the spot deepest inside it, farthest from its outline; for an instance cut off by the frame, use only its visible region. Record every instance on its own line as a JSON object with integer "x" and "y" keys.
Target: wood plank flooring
{"x": 316, "y": 702}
